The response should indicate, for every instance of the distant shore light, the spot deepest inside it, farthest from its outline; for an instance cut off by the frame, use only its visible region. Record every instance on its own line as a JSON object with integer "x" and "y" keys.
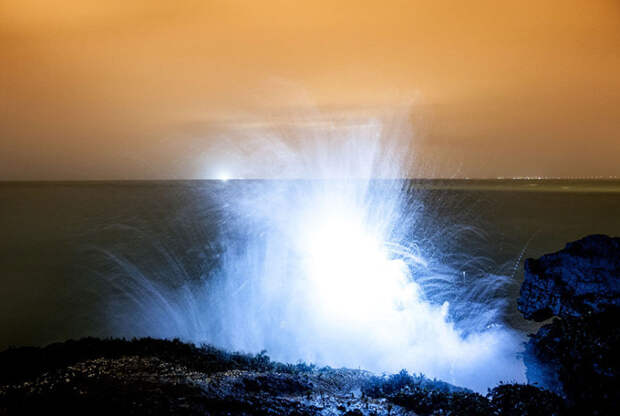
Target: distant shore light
{"x": 223, "y": 176}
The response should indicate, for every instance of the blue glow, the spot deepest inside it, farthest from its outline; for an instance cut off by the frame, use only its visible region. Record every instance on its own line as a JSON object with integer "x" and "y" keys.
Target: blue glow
{"x": 337, "y": 268}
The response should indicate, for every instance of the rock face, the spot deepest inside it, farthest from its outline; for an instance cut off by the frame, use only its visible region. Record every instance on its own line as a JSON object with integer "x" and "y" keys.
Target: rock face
{"x": 581, "y": 279}
{"x": 158, "y": 377}
{"x": 577, "y": 354}
{"x": 578, "y": 357}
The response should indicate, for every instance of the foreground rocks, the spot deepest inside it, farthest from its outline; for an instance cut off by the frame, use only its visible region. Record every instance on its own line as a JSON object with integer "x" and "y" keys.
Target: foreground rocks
{"x": 149, "y": 376}
{"x": 581, "y": 279}
{"x": 576, "y": 355}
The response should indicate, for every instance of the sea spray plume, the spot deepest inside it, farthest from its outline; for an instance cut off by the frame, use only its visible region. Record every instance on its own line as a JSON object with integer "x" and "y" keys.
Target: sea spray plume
{"x": 334, "y": 268}
{"x": 339, "y": 262}
{"x": 143, "y": 299}
{"x": 151, "y": 268}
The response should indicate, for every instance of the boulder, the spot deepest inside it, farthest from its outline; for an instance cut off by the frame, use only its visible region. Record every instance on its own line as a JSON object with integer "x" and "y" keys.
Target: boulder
{"x": 577, "y": 358}
{"x": 576, "y": 354}
{"x": 581, "y": 279}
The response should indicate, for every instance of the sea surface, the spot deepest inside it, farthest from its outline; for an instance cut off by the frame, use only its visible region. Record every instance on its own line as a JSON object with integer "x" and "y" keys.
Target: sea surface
{"x": 55, "y": 238}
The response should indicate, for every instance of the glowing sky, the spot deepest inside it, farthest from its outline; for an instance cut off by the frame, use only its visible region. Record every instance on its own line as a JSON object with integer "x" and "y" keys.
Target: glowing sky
{"x": 126, "y": 89}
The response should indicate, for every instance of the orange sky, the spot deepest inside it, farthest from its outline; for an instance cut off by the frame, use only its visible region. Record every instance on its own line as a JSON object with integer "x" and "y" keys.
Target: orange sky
{"x": 124, "y": 89}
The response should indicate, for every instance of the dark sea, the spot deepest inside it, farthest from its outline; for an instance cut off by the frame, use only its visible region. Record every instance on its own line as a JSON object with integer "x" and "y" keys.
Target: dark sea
{"x": 53, "y": 234}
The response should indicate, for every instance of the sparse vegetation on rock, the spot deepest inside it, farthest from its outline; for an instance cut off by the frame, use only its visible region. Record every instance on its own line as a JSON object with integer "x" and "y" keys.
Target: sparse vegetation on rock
{"x": 151, "y": 376}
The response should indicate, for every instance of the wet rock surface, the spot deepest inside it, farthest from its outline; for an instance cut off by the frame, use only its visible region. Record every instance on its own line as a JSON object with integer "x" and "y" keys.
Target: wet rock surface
{"x": 149, "y": 376}
{"x": 581, "y": 279}
{"x": 576, "y": 355}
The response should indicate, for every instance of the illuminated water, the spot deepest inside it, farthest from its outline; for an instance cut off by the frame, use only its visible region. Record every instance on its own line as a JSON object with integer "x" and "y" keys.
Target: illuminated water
{"x": 58, "y": 271}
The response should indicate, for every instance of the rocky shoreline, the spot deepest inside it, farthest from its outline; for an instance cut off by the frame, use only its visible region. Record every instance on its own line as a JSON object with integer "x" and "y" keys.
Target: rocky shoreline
{"x": 575, "y": 357}
{"x": 151, "y": 376}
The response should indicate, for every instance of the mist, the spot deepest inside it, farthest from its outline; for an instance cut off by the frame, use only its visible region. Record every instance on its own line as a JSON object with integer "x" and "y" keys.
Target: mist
{"x": 337, "y": 264}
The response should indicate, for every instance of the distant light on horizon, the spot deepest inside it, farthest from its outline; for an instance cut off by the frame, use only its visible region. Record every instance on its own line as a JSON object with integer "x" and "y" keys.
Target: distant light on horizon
{"x": 223, "y": 176}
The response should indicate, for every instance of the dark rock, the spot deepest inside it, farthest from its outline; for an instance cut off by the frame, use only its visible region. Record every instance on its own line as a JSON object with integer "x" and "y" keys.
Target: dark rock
{"x": 582, "y": 278}
{"x": 384, "y": 386}
{"x": 157, "y": 377}
{"x": 432, "y": 397}
{"x": 19, "y": 364}
{"x": 522, "y": 399}
{"x": 576, "y": 355}
{"x": 504, "y": 400}
{"x": 153, "y": 377}
{"x": 430, "y": 402}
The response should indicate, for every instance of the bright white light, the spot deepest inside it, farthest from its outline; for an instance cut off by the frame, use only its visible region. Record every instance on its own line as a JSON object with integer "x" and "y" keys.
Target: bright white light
{"x": 223, "y": 176}
{"x": 332, "y": 270}
{"x": 351, "y": 270}
{"x": 338, "y": 271}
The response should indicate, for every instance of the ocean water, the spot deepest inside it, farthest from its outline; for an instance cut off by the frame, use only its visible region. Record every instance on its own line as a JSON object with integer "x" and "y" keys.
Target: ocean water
{"x": 57, "y": 239}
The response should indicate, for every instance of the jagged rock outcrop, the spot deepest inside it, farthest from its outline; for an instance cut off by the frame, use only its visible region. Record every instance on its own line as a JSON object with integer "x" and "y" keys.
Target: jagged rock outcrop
{"x": 159, "y": 377}
{"x": 581, "y": 279}
{"x": 576, "y": 355}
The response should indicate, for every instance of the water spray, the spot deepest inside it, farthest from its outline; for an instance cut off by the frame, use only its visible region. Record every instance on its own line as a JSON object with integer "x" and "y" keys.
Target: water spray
{"x": 332, "y": 265}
